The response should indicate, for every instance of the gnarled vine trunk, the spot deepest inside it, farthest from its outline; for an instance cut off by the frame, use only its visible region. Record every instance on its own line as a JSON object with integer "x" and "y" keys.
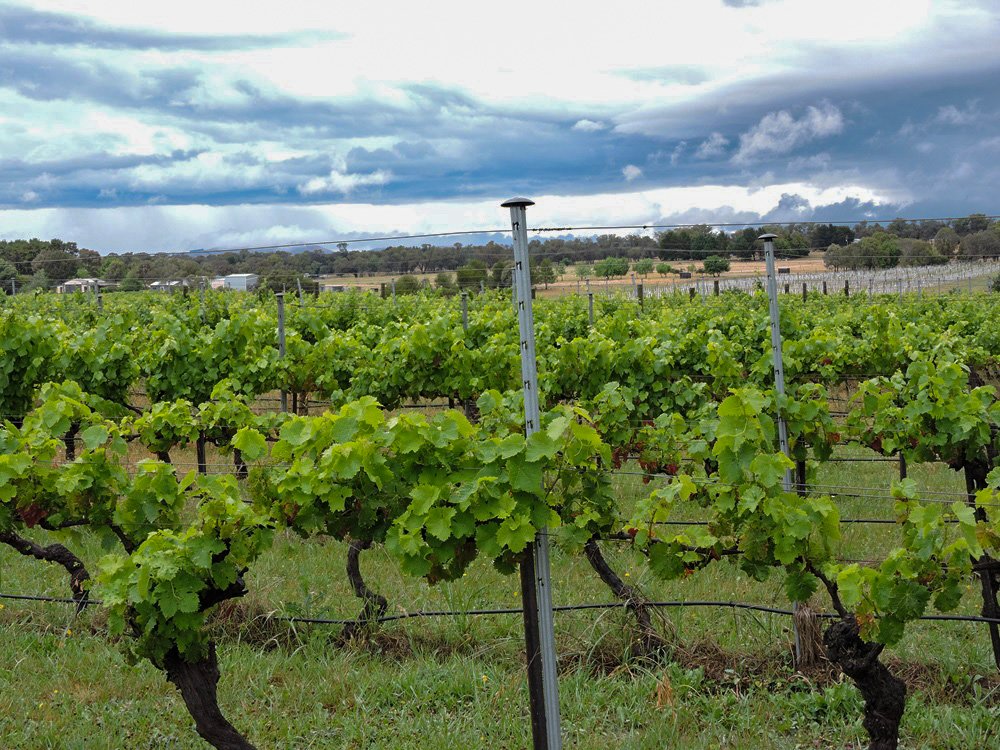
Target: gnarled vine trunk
{"x": 375, "y": 604}
{"x": 57, "y": 554}
{"x": 242, "y": 472}
{"x": 884, "y": 694}
{"x": 198, "y": 682}
{"x": 650, "y": 642}
{"x": 988, "y": 571}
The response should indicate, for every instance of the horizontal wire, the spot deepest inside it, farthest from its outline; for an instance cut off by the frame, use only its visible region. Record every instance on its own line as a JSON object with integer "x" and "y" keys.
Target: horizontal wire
{"x": 518, "y": 610}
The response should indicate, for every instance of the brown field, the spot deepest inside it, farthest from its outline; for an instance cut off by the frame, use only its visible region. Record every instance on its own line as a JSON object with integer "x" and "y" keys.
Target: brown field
{"x": 568, "y": 282}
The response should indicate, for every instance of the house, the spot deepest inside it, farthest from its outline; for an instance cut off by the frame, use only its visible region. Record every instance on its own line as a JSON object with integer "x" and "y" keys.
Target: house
{"x": 333, "y": 288}
{"x": 83, "y": 285}
{"x": 245, "y": 282}
{"x": 168, "y": 286}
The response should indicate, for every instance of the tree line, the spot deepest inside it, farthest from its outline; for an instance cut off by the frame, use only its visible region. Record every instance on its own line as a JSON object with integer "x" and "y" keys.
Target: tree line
{"x": 40, "y": 264}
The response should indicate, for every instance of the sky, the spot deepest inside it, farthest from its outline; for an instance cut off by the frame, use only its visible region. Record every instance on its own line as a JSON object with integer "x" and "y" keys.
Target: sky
{"x": 174, "y": 126}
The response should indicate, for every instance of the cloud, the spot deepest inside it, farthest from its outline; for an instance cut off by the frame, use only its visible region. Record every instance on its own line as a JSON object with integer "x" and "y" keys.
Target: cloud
{"x": 714, "y": 145}
{"x": 952, "y": 115}
{"x": 589, "y": 126}
{"x": 819, "y": 161}
{"x": 186, "y": 227}
{"x": 96, "y": 111}
{"x": 685, "y": 75}
{"x": 20, "y": 25}
{"x": 343, "y": 183}
{"x": 631, "y": 172}
{"x": 780, "y": 132}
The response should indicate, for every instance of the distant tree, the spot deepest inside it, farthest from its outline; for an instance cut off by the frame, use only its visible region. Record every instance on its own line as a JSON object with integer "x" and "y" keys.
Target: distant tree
{"x": 979, "y": 246}
{"x": 971, "y": 224}
{"x": 609, "y": 268}
{"x": 130, "y": 283}
{"x": 920, "y": 253}
{"x": 742, "y": 244}
{"x": 794, "y": 244}
{"x": 57, "y": 264}
{"x": 644, "y": 267}
{"x": 704, "y": 243}
{"x": 838, "y": 257}
{"x": 583, "y": 270}
{"x": 543, "y": 273}
{"x": 823, "y": 235}
{"x": 471, "y": 275}
{"x": 39, "y": 280}
{"x": 502, "y": 274}
{"x": 113, "y": 269}
{"x": 879, "y": 250}
{"x": 716, "y": 265}
{"x": 664, "y": 269}
{"x": 7, "y": 271}
{"x": 995, "y": 284}
{"x": 444, "y": 281}
{"x": 407, "y": 284}
{"x": 946, "y": 241}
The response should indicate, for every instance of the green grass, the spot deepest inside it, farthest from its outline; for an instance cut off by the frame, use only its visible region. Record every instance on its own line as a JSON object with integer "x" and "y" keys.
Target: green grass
{"x": 459, "y": 682}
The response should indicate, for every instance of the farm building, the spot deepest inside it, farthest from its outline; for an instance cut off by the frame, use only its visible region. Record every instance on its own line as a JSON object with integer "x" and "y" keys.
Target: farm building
{"x": 168, "y": 286}
{"x": 83, "y": 285}
{"x": 244, "y": 282}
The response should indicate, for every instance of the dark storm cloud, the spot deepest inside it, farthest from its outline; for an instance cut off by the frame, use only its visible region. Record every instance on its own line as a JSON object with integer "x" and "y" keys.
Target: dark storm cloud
{"x": 49, "y": 76}
{"x": 22, "y": 25}
{"x": 903, "y": 129}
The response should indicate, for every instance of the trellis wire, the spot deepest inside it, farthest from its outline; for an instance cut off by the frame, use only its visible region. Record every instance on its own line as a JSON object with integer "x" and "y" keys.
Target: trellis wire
{"x": 512, "y": 610}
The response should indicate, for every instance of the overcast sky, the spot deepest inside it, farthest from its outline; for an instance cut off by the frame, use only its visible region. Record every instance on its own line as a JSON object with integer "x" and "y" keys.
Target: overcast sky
{"x": 128, "y": 125}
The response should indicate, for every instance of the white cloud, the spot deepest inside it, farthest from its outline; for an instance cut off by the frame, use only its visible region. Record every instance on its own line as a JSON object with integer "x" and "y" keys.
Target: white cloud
{"x": 780, "y": 132}
{"x": 29, "y": 196}
{"x": 589, "y": 126}
{"x": 343, "y": 182}
{"x": 631, "y": 172}
{"x": 952, "y": 115}
{"x": 714, "y": 145}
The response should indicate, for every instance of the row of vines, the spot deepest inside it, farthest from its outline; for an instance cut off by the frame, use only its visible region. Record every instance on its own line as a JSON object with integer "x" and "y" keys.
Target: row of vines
{"x": 97, "y": 404}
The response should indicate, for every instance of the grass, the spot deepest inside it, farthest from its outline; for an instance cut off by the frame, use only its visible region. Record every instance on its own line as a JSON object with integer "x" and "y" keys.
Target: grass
{"x": 459, "y": 682}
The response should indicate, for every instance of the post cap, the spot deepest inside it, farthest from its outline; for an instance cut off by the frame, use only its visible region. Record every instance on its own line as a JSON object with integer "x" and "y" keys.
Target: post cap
{"x": 512, "y": 202}
{"x": 768, "y": 237}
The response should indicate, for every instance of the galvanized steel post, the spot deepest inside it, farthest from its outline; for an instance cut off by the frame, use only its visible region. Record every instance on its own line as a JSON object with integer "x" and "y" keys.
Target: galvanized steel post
{"x": 779, "y": 377}
{"x": 281, "y": 342}
{"x": 536, "y": 582}
{"x": 465, "y": 311}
